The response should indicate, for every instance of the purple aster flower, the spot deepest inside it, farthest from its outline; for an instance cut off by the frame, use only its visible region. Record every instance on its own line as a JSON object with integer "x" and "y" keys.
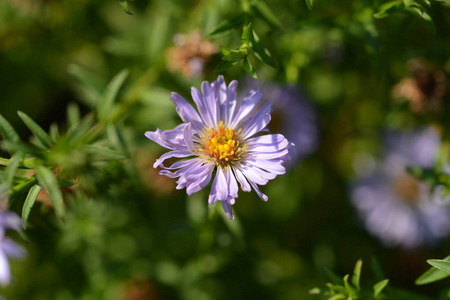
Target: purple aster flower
{"x": 396, "y": 207}
{"x": 293, "y": 116}
{"x": 224, "y": 135}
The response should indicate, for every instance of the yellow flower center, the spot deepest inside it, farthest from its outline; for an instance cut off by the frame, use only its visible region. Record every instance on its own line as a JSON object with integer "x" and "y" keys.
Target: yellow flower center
{"x": 223, "y": 144}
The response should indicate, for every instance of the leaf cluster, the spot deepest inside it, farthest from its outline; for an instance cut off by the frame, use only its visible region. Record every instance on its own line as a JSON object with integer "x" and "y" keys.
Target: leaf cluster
{"x": 59, "y": 160}
{"x": 418, "y": 8}
{"x": 342, "y": 288}
{"x": 250, "y": 41}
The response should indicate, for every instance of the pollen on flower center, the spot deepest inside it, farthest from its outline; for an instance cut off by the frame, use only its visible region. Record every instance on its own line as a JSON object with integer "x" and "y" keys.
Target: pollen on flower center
{"x": 222, "y": 144}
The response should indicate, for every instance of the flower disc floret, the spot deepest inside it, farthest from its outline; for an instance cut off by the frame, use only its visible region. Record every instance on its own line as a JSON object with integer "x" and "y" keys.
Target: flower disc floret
{"x": 222, "y": 135}
{"x": 223, "y": 145}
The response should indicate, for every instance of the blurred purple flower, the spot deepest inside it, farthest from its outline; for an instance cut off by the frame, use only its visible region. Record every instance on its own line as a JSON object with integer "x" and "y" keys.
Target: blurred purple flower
{"x": 224, "y": 135}
{"x": 8, "y": 248}
{"x": 396, "y": 207}
{"x": 293, "y": 116}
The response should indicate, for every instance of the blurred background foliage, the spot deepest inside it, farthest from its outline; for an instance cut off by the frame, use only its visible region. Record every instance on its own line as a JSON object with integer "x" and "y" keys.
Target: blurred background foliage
{"x": 123, "y": 231}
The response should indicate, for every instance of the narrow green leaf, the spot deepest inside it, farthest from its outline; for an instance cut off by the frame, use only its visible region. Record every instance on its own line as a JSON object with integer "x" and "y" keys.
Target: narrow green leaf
{"x": 443, "y": 265}
{"x": 357, "y": 274}
{"x": 261, "y": 52}
{"x": 75, "y": 134}
{"x": 333, "y": 277}
{"x": 11, "y": 169}
{"x": 248, "y": 68}
{"x": 8, "y": 131}
{"x": 104, "y": 152}
{"x": 4, "y": 161}
{"x": 235, "y": 55}
{"x": 337, "y": 297}
{"x": 264, "y": 12}
{"x": 351, "y": 290}
{"x": 49, "y": 182}
{"x": 225, "y": 50}
{"x": 419, "y": 11}
{"x": 23, "y": 147}
{"x": 110, "y": 94}
{"x": 43, "y": 138}
{"x": 73, "y": 114}
{"x": 54, "y": 132}
{"x": 377, "y": 270}
{"x": 310, "y": 4}
{"x": 116, "y": 137}
{"x": 225, "y": 65}
{"x": 228, "y": 25}
{"x": 247, "y": 35}
{"x": 124, "y": 5}
{"x": 315, "y": 291}
{"x": 29, "y": 202}
{"x": 387, "y": 8}
{"x": 378, "y": 287}
{"x": 23, "y": 236}
{"x": 91, "y": 85}
{"x": 432, "y": 275}
{"x": 337, "y": 288}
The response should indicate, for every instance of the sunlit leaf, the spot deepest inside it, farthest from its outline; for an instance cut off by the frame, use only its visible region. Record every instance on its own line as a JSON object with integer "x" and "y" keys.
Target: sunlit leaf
{"x": 225, "y": 50}
{"x": 124, "y": 5}
{"x": 110, "y": 94}
{"x": 357, "y": 274}
{"x": 235, "y": 55}
{"x": 443, "y": 265}
{"x": 39, "y": 133}
{"x": 387, "y": 8}
{"x": 337, "y": 297}
{"x": 29, "y": 202}
{"x": 310, "y": 4}
{"x": 49, "y": 182}
{"x": 228, "y": 25}
{"x": 4, "y": 161}
{"x": 249, "y": 68}
{"x": 247, "y": 35}
{"x": 378, "y": 287}
{"x": 432, "y": 275}
{"x": 350, "y": 289}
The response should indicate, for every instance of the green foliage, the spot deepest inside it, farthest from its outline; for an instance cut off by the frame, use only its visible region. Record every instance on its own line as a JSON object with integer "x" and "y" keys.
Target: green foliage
{"x": 77, "y": 152}
{"x": 250, "y": 42}
{"x": 29, "y": 202}
{"x": 107, "y": 98}
{"x": 342, "y": 289}
{"x": 124, "y": 5}
{"x": 440, "y": 270}
{"x": 420, "y": 9}
{"x": 102, "y": 224}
